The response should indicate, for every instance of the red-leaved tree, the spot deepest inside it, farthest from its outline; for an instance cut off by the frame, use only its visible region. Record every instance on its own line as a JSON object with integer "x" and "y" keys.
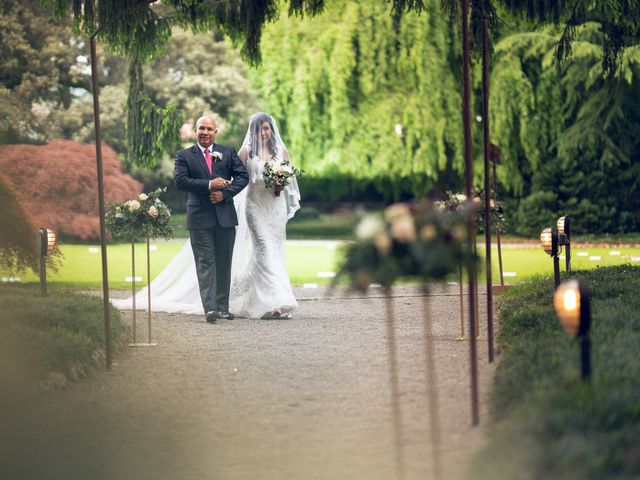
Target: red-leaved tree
{"x": 56, "y": 184}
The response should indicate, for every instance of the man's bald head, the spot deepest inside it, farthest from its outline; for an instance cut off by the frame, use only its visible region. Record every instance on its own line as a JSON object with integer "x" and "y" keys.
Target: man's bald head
{"x": 206, "y": 130}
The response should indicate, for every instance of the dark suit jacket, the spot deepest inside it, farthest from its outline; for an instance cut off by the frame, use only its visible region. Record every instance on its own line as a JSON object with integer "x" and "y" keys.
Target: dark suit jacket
{"x": 190, "y": 173}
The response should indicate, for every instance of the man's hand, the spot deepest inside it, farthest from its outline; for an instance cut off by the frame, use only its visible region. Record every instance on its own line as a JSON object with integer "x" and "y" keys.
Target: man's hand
{"x": 219, "y": 183}
{"x": 216, "y": 196}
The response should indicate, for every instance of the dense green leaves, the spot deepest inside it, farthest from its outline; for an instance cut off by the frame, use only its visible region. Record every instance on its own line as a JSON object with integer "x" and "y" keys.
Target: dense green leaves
{"x": 618, "y": 20}
{"x": 567, "y": 137}
{"x": 357, "y": 95}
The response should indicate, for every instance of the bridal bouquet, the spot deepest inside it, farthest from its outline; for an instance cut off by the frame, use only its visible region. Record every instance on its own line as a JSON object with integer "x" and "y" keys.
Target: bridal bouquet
{"x": 278, "y": 175}
{"x": 146, "y": 216}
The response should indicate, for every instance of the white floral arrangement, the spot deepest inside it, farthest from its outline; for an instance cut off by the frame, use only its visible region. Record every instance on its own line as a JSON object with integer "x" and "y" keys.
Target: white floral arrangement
{"x": 278, "y": 175}
{"x": 146, "y": 216}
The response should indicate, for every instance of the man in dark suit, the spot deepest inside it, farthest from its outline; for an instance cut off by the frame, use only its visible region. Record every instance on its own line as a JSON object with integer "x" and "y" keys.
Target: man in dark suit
{"x": 212, "y": 174}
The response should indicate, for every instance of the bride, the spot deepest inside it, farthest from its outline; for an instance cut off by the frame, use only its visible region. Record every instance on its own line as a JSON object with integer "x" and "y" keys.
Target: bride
{"x": 260, "y": 287}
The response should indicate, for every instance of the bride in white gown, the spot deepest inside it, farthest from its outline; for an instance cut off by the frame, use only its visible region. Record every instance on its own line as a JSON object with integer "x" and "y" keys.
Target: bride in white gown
{"x": 260, "y": 287}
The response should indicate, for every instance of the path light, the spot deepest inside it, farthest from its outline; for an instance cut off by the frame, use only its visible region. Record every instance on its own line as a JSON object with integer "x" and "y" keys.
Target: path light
{"x": 549, "y": 242}
{"x": 571, "y": 302}
{"x": 564, "y": 238}
{"x": 47, "y": 244}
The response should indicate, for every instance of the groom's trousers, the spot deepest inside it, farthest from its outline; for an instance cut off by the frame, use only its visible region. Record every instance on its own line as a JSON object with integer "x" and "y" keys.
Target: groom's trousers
{"x": 213, "y": 251}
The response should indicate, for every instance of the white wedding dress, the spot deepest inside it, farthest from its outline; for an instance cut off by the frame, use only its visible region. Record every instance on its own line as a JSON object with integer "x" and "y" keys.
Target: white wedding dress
{"x": 260, "y": 285}
{"x": 262, "y": 288}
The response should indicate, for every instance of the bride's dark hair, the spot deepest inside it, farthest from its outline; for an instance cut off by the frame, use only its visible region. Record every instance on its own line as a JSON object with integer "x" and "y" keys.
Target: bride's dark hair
{"x": 255, "y": 127}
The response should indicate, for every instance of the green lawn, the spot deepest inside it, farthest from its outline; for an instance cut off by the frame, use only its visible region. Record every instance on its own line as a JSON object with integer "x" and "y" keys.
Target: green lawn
{"x": 545, "y": 422}
{"x": 305, "y": 259}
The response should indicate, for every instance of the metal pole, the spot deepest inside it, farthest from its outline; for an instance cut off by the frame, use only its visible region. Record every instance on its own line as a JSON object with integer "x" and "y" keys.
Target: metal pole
{"x": 495, "y": 200}
{"x": 461, "y": 337}
{"x": 556, "y": 271}
{"x": 468, "y": 170}
{"x": 395, "y": 389}
{"x": 133, "y": 291}
{"x": 103, "y": 234}
{"x": 149, "y": 290}
{"x": 43, "y": 275}
{"x": 487, "y": 197}
{"x": 432, "y": 385}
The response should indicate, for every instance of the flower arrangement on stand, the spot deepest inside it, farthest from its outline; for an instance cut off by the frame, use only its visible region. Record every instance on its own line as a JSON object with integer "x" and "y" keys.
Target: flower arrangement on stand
{"x": 408, "y": 240}
{"x": 457, "y": 201}
{"x": 145, "y": 217}
{"x": 421, "y": 241}
{"x": 278, "y": 175}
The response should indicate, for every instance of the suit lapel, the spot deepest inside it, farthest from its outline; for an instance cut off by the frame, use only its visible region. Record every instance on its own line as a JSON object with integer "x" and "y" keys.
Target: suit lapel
{"x": 200, "y": 161}
{"x": 217, "y": 166}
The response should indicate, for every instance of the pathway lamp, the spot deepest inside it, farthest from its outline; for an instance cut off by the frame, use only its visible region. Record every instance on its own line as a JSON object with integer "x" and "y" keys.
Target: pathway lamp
{"x": 47, "y": 244}
{"x": 571, "y": 302}
{"x": 550, "y": 244}
{"x": 564, "y": 238}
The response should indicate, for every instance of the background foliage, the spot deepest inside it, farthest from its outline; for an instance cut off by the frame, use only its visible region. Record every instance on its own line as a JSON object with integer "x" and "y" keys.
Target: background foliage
{"x": 365, "y": 99}
{"x": 56, "y": 185}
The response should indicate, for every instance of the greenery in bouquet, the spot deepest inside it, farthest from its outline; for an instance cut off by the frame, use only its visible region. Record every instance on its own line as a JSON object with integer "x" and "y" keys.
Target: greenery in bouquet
{"x": 280, "y": 173}
{"x": 408, "y": 240}
{"x": 457, "y": 201}
{"x": 146, "y": 216}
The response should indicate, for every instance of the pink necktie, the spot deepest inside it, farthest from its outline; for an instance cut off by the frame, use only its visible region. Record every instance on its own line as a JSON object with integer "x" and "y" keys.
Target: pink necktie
{"x": 207, "y": 157}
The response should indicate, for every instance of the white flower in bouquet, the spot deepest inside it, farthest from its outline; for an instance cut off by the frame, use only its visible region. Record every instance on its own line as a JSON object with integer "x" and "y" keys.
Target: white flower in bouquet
{"x": 396, "y": 212}
{"x": 153, "y": 211}
{"x": 142, "y": 197}
{"x": 369, "y": 227}
{"x": 404, "y": 229}
{"x": 133, "y": 205}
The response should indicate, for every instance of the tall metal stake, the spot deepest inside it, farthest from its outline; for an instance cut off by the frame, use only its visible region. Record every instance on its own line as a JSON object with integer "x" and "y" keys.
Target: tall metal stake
{"x": 432, "y": 385}
{"x": 487, "y": 197}
{"x": 395, "y": 388}
{"x": 103, "y": 233}
{"x": 468, "y": 171}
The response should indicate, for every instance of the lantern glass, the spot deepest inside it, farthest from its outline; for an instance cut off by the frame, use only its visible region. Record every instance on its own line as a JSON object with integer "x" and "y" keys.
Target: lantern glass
{"x": 566, "y": 301}
{"x": 561, "y": 226}
{"x": 546, "y": 239}
{"x": 51, "y": 240}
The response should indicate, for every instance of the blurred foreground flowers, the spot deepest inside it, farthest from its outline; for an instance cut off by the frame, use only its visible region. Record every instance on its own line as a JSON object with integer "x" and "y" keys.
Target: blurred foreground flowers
{"x": 423, "y": 240}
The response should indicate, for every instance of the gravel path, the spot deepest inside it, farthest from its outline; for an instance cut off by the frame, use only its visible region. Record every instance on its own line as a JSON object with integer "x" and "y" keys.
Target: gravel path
{"x": 307, "y": 398}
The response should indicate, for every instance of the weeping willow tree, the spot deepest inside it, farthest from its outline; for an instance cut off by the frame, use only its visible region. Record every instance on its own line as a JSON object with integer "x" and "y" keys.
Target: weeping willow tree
{"x": 366, "y": 95}
{"x": 140, "y": 29}
{"x": 567, "y": 137}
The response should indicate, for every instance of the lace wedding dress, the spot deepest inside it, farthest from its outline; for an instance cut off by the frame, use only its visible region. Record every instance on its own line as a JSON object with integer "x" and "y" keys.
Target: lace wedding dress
{"x": 262, "y": 288}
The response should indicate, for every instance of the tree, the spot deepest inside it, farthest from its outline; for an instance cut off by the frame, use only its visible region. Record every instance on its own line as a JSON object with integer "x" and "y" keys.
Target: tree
{"x": 38, "y": 69}
{"x": 618, "y": 21}
{"x": 360, "y": 96}
{"x": 218, "y": 84}
{"x": 18, "y": 234}
{"x": 65, "y": 199}
{"x": 567, "y": 138}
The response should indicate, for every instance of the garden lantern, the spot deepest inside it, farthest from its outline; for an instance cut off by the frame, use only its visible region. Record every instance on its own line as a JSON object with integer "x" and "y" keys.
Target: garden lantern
{"x": 571, "y": 302}
{"x": 549, "y": 242}
{"x": 47, "y": 244}
{"x": 564, "y": 238}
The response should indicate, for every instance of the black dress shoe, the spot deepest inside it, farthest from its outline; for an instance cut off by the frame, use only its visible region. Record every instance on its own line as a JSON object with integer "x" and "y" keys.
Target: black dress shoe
{"x": 211, "y": 316}
{"x": 226, "y": 315}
